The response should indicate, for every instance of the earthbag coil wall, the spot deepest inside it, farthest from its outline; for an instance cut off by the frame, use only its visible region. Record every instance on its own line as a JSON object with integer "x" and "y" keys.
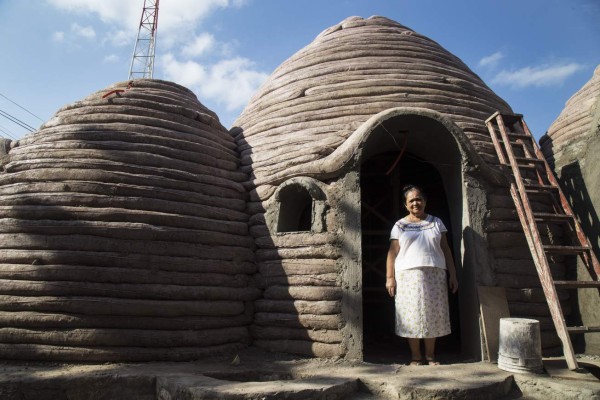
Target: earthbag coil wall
{"x": 123, "y": 234}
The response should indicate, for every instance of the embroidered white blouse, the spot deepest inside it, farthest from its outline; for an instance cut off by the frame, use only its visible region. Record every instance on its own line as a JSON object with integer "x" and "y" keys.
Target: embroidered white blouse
{"x": 419, "y": 243}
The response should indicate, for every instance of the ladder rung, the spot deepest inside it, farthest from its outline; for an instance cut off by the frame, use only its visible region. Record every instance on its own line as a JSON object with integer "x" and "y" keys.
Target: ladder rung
{"x": 577, "y": 284}
{"x": 529, "y": 166}
{"x": 518, "y": 135}
{"x": 508, "y": 118}
{"x": 539, "y": 188}
{"x": 566, "y": 249}
{"x": 550, "y": 217}
{"x": 529, "y": 160}
{"x": 583, "y": 329}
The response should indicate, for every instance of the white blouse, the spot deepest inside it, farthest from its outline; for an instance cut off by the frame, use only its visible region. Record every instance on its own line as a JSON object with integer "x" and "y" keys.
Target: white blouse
{"x": 419, "y": 243}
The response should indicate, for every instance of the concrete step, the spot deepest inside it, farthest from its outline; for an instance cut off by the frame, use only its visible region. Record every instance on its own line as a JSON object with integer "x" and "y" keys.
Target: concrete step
{"x": 257, "y": 375}
{"x": 267, "y": 386}
{"x": 458, "y": 381}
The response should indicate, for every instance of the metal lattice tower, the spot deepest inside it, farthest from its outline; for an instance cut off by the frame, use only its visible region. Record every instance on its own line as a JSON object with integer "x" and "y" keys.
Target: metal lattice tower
{"x": 142, "y": 62}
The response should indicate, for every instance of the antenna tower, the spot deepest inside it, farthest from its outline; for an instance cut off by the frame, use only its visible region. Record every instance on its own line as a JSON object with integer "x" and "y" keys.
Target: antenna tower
{"x": 142, "y": 62}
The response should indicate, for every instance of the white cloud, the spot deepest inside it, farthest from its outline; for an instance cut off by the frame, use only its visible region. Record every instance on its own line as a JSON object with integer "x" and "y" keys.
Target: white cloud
{"x": 120, "y": 38}
{"x": 58, "y": 36}
{"x": 200, "y": 45}
{"x": 230, "y": 82}
{"x": 84, "y": 31}
{"x": 119, "y": 12}
{"x": 175, "y": 13}
{"x": 233, "y": 82}
{"x": 176, "y": 22}
{"x": 187, "y": 73}
{"x": 111, "y": 58}
{"x": 491, "y": 60}
{"x": 544, "y": 75}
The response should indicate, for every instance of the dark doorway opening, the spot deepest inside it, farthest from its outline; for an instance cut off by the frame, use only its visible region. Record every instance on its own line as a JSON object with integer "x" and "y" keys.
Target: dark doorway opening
{"x": 382, "y": 206}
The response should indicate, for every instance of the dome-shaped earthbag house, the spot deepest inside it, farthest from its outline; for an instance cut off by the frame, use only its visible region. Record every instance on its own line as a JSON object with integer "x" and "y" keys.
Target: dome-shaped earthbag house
{"x": 123, "y": 232}
{"x": 328, "y": 141}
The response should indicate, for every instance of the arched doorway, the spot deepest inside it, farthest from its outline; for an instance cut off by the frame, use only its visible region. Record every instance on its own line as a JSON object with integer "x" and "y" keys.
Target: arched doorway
{"x": 401, "y": 150}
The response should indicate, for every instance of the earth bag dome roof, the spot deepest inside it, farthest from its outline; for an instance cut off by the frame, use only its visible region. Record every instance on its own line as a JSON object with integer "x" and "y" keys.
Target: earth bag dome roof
{"x": 123, "y": 232}
{"x": 315, "y": 100}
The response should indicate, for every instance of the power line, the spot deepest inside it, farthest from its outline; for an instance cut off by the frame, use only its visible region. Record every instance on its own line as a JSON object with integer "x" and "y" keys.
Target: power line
{"x": 17, "y": 121}
{"x": 7, "y": 132}
{"x": 21, "y": 107}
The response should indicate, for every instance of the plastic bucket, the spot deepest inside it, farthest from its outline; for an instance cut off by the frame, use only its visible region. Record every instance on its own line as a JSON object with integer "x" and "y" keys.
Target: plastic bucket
{"x": 520, "y": 348}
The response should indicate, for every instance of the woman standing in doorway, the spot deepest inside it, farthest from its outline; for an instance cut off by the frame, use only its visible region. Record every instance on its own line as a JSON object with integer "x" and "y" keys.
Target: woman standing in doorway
{"x": 417, "y": 263}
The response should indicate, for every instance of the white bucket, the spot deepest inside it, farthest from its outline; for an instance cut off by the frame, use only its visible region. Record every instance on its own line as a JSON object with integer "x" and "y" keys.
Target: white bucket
{"x": 520, "y": 348}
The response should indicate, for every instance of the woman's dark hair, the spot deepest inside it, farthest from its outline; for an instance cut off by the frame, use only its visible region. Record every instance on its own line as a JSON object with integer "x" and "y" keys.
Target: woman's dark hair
{"x": 410, "y": 188}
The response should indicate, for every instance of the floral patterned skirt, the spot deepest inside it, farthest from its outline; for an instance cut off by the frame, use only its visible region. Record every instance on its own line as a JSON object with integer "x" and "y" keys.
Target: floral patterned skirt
{"x": 422, "y": 303}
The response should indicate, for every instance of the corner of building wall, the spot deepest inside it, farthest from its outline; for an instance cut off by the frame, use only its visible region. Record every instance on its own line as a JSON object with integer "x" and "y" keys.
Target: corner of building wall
{"x": 477, "y": 262}
{"x": 347, "y": 196}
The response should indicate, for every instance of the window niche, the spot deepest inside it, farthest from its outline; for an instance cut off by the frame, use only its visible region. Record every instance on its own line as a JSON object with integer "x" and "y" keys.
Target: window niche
{"x": 300, "y": 206}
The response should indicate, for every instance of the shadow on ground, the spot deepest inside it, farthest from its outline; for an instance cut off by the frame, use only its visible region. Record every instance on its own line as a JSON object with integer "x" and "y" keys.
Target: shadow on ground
{"x": 254, "y": 374}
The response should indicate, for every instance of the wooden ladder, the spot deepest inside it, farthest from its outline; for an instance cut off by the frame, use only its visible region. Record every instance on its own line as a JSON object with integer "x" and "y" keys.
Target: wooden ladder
{"x": 532, "y": 178}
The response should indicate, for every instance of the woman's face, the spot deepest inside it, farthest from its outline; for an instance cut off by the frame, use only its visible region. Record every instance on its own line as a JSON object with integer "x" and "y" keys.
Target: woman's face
{"x": 415, "y": 203}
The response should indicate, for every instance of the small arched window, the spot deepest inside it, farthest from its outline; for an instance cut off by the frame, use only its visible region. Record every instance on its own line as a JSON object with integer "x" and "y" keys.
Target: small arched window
{"x": 299, "y": 206}
{"x": 295, "y": 209}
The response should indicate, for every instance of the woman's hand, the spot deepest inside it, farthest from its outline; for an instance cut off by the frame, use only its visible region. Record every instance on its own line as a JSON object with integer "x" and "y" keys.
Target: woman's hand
{"x": 390, "y": 282}
{"x": 390, "y": 286}
{"x": 453, "y": 283}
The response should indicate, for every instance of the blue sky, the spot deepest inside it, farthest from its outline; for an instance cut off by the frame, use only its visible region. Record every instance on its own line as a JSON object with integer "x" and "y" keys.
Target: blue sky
{"x": 533, "y": 53}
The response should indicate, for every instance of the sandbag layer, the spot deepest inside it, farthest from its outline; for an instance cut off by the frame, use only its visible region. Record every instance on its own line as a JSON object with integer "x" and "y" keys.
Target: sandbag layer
{"x": 123, "y": 232}
{"x": 578, "y": 123}
{"x": 318, "y": 97}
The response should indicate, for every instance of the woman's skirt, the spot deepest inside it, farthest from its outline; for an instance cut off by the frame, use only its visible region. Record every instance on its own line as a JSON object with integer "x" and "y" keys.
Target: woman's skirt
{"x": 422, "y": 303}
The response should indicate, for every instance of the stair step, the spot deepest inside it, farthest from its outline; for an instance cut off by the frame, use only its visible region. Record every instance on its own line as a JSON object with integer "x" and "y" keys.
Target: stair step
{"x": 577, "y": 284}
